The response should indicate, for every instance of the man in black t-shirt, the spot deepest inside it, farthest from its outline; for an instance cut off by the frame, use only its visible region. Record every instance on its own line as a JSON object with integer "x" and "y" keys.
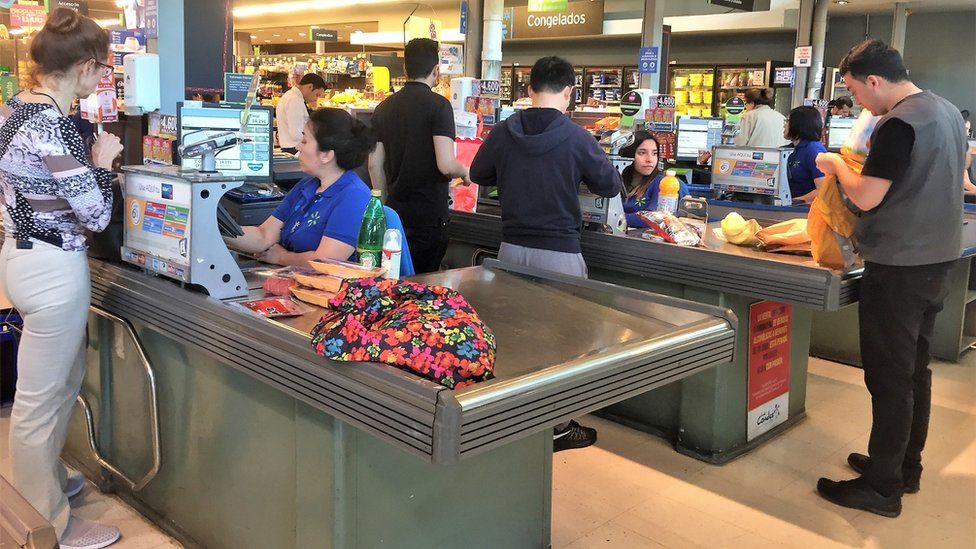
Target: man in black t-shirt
{"x": 414, "y": 159}
{"x": 909, "y": 233}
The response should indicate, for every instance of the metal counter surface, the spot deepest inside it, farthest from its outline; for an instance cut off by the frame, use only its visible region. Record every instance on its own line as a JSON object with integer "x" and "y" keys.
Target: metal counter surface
{"x": 718, "y": 266}
{"x": 566, "y": 346}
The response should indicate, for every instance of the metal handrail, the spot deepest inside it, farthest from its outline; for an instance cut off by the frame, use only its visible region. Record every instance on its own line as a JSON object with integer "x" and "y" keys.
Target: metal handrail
{"x": 135, "y": 486}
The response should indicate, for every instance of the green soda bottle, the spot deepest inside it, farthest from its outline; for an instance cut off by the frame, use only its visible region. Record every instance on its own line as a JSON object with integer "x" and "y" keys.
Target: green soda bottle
{"x": 369, "y": 246}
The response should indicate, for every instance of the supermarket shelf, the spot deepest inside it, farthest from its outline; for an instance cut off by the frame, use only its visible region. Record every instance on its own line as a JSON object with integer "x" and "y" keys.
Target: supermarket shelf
{"x": 604, "y": 85}
{"x": 740, "y": 87}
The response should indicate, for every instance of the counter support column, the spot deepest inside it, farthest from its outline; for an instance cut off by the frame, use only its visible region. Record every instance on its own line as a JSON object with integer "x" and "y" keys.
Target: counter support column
{"x": 652, "y": 29}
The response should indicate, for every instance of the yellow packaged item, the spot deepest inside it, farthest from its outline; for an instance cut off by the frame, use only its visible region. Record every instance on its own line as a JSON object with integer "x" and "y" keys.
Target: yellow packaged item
{"x": 739, "y": 231}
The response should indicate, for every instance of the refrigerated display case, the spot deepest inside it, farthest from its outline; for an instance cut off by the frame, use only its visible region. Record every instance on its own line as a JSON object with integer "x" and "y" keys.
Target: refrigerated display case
{"x": 734, "y": 80}
{"x": 520, "y": 82}
{"x": 834, "y": 85}
{"x": 578, "y": 90}
{"x": 631, "y": 79}
{"x": 505, "y": 85}
{"x": 703, "y": 89}
{"x": 693, "y": 88}
{"x": 603, "y": 84}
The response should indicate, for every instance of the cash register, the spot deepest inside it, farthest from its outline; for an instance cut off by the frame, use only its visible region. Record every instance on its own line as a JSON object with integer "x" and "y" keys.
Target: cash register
{"x": 751, "y": 174}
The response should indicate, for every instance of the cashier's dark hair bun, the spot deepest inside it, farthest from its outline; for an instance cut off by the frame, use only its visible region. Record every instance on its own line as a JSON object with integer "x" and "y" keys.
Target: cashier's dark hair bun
{"x": 336, "y": 130}
{"x": 759, "y": 96}
{"x": 67, "y": 39}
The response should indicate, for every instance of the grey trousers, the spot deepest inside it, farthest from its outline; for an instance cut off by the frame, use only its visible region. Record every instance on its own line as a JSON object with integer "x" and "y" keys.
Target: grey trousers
{"x": 549, "y": 260}
{"x": 51, "y": 290}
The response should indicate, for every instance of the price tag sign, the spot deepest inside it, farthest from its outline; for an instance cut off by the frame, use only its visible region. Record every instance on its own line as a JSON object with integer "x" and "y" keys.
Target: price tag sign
{"x": 491, "y": 88}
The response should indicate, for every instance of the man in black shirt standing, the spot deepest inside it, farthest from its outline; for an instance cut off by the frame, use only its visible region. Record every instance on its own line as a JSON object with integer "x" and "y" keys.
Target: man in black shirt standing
{"x": 909, "y": 232}
{"x": 414, "y": 159}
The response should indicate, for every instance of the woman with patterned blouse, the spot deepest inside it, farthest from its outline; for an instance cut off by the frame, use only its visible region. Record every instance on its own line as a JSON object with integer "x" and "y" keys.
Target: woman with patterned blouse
{"x": 50, "y": 192}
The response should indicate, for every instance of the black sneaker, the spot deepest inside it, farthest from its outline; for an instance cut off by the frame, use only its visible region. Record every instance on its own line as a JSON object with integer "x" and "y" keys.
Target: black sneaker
{"x": 857, "y": 494}
{"x": 572, "y": 437}
{"x": 861, "y": 463}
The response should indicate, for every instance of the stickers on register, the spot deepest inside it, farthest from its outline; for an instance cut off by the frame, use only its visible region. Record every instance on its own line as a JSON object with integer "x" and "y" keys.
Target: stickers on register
{"x": 155, "y": 264}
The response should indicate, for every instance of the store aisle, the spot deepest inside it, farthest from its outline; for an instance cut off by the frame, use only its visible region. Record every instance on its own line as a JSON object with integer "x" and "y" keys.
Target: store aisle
{"x": 137, "y": 532}
{"x": 633, "y": 491}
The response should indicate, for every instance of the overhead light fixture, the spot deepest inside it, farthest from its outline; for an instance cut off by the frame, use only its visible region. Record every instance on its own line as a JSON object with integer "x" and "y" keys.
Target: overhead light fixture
{"x": 253, "y": 36}
{"x": 316, "y": 27}
{"x": 292, "y": 7}
{"x": 301, "y": 35}
{"x": 267, "y": 41}
{"x": 291, "y": 39}
{"x": 841, "y": 2}
{"x": 276, "y": 35}
{"x": 348, "y": 26}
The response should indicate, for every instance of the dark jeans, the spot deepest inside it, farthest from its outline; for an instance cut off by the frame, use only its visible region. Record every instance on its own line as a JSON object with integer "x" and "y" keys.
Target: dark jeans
{"x": 897, "y": 311}
{"x": 427, "y": 246}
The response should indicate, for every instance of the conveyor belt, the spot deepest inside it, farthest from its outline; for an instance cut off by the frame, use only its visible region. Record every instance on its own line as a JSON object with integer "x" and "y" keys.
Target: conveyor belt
{"x": 566, "y": 347}
{"x": 719, "y": 266}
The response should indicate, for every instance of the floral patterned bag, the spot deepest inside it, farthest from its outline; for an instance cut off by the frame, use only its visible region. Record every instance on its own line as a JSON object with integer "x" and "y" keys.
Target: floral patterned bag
{"x": 428, "y": 330}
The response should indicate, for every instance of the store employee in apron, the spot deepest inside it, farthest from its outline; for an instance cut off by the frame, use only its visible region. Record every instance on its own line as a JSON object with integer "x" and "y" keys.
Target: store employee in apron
{"x": 804, "y": 128}
{"x": 320, "y": 216}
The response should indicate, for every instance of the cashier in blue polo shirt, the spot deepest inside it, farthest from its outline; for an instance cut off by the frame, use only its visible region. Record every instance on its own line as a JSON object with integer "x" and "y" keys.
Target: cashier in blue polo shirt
{"x": 320, "y": 216}
{"x": 804, "y": 128}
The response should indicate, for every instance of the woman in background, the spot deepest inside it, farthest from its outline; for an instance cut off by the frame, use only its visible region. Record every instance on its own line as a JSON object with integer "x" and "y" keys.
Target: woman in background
{"x": 760, "y": 126}
{"x": 804, "y": 128}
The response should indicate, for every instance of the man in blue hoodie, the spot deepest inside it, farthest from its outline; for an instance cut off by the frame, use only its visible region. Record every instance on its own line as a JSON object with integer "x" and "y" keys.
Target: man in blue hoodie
{"x": 537, "y": 158}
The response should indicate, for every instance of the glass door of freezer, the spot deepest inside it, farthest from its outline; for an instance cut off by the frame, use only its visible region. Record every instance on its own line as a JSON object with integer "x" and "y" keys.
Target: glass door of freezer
{"x": 505, "y": 85}
{"x": 520, "y": 83}
{"x": 693, "y": 89}
{"x": 734, "y": 81}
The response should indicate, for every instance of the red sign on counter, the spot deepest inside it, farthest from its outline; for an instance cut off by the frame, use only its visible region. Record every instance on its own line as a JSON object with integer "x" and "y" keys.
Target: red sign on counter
{"x": 769, "y": 366}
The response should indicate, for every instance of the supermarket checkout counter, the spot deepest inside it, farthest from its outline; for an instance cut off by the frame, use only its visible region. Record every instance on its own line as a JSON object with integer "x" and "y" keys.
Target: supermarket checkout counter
{"x": 716, "y": 415}
{"x": 227, "y": 430}
{"x": 835, "y": 333}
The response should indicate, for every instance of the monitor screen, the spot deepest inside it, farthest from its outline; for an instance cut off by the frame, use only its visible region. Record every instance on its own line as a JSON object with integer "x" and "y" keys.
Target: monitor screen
{"x": 838, "y": 129}
{"x": 251, "y": 160}
{"x": 695, "y": 134}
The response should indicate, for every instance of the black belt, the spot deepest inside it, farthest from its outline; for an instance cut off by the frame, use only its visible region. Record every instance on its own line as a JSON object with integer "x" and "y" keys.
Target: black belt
{"x": 26, "y": 244}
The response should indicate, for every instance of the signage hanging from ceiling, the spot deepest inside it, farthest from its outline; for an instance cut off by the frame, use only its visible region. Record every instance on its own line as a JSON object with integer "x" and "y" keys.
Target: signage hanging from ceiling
{"x": 742, "y": 5}
{"x": 543, "y": 6}
{"x": 80, "y": 6}
{"x": 579, "y": 19}
{"x": 323, "y": 35}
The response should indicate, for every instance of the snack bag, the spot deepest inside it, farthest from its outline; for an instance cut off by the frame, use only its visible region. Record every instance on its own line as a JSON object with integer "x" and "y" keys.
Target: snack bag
{"x": 666, "y": 227}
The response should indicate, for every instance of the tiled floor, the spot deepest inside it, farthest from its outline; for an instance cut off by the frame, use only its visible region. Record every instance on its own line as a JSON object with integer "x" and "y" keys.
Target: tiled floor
{"x": 633, "y": 491}
{"x": 137, "y": 532}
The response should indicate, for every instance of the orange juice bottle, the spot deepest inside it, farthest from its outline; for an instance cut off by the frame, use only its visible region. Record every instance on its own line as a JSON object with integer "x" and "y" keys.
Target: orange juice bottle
{"x": 667, "y": 198}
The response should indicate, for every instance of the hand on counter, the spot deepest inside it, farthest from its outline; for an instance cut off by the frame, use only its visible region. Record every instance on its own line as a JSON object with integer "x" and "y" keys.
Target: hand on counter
{"x": 105, "y": 150}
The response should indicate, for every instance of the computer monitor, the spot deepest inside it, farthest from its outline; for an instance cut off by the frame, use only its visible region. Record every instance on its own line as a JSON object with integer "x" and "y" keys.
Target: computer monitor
{"x": 251, "y": 160}
{"x": 696, "y": 134}
{"x": 838, "y": 128}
